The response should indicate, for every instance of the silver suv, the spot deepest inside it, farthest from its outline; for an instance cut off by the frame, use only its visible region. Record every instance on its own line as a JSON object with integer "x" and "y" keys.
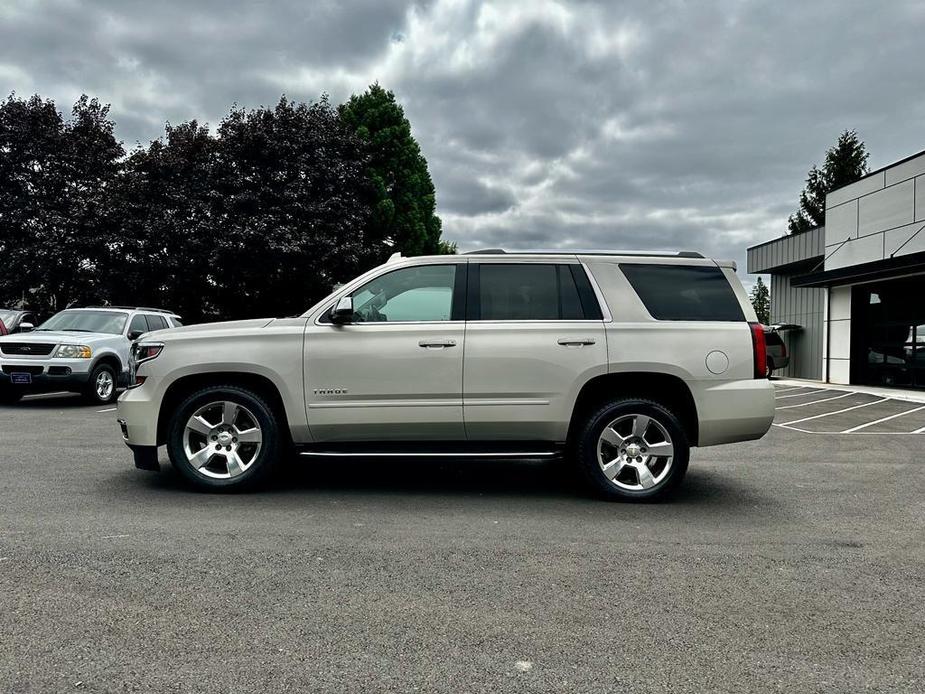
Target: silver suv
{"x": 620, "y": 360}
{"x": 85, "y": 350}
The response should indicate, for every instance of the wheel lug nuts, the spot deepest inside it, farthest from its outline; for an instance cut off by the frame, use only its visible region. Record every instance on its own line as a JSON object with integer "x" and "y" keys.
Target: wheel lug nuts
{"x": 234, "y": 440}
{"x": 218, "y": 447}
{"x": 214, "y": 437}
{"x": 228, "y": 448}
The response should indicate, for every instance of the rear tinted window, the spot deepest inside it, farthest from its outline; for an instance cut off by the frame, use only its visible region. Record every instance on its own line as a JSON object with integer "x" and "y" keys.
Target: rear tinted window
{"x": 678, "y": 292}
{"x": 532, "y": 291}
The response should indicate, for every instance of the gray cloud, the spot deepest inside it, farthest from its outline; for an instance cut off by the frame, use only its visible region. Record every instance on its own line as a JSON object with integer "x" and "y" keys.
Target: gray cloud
{"x": 549, "y": 123}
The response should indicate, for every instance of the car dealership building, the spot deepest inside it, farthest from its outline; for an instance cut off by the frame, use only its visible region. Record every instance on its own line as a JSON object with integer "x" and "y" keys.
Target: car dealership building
{"x": 851, "y": 294}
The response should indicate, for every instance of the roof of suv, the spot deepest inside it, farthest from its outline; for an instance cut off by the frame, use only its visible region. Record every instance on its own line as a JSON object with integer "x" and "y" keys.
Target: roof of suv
{"x": 583, "y": 251}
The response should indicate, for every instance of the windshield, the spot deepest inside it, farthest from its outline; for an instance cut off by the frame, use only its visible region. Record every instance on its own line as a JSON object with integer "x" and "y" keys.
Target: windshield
{"x": 6, "y": 317}
{"x": 112, "y": 322}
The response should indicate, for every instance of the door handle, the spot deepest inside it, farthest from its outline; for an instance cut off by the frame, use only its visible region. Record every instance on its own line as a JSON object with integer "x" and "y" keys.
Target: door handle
{"x": 436, "y": 344}
{"x": 576, "y": 341}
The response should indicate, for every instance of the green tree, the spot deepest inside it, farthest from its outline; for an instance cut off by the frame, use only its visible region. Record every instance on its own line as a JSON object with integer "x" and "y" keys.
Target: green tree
{"x": 845, "y": 162}
{"x": 761, "y": 300}
{"x": 405, "y": 201}
{"x": 55, "y": 181}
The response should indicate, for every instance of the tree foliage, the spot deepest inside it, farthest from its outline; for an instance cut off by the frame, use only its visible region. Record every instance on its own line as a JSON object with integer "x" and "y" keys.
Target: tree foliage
{"x": 263, "y": 216}
{"x": 761, "y": 300}
{"x": 405, "y": 200}
{"x": 845, "y": 162}
{"x": 55, "y": 181}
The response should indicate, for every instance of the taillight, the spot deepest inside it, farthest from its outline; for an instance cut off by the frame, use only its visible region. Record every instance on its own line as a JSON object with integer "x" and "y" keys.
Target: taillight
{"x": 760, "y": 350}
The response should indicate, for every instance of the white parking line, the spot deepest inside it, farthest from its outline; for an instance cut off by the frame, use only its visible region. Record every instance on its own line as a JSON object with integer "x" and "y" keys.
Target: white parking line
{"x": 829, "y": 414}
{"x": 884, "y": 419}
{"x": 111, "y": 409}
{"x": 857, "y": 433}
{"x": 799, "y": 395}
{"x": 804, "y": 404}
{"x": 787, "y": 390}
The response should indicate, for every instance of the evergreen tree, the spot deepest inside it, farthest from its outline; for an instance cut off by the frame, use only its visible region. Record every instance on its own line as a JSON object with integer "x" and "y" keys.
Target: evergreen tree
{"x": 404, "y": 212}
{"x": 845, "y": 162}
{"x": 761, "y": 300}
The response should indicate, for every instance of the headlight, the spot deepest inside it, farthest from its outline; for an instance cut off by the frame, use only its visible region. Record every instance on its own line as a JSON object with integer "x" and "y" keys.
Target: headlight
{"x": 74, "y": 352}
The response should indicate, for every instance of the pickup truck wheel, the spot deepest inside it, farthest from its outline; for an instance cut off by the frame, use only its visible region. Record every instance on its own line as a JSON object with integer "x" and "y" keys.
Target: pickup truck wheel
{"x": 633, "y": 449}
{"x": 101, "y": 388}
{"x": 224, "y": 438}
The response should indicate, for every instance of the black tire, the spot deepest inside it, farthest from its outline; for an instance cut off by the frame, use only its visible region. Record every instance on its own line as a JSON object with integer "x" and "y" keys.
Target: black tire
{"x": 586, "y": 450}
{"x": 10, "y": 396}
{"x": 770, "y": 368}
{"x": 90, "y": 392}
{"x": 266, "y": 457}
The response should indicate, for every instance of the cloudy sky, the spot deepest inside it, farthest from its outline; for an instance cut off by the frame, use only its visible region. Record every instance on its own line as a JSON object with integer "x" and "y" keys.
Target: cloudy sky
{"x": 546, "y": 123}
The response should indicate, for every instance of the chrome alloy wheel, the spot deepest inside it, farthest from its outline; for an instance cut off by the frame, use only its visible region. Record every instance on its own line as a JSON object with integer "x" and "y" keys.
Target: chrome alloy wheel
{"x": 222, "y": 439}
{"x": 104, "y": 385}
{"x": 635, "y": 452}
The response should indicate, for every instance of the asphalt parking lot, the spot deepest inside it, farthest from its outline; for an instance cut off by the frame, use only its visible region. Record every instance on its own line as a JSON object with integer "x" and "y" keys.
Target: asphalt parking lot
{"x": 794, "y": 563}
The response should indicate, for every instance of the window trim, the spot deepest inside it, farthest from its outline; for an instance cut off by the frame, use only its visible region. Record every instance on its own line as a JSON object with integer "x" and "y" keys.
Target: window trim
{"x": 457, "y": 302}
{"x": 586, "y": 293}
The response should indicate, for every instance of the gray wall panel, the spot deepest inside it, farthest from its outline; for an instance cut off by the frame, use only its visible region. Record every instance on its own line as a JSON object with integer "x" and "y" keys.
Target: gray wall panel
{"x": 802, "y": 306}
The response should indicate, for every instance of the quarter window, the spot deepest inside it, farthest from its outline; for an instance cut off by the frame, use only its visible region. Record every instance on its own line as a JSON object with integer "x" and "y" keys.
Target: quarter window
{"x": 421, "y": 293}
{"x": 684, "y": 292}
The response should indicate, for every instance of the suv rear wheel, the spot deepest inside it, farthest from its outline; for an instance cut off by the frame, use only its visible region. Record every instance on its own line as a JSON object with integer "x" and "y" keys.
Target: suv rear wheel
{"x": 633, "y": 449}
{"x": 224, "y": 438}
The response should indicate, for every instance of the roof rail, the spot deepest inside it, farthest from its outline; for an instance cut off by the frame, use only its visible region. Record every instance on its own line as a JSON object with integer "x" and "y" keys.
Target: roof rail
{"x": 584, "y": 251}
{"x": 136, "y": 308}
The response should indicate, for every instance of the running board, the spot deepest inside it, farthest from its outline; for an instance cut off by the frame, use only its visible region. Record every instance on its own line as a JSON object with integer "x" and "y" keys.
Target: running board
{"x": 522, "y": 455}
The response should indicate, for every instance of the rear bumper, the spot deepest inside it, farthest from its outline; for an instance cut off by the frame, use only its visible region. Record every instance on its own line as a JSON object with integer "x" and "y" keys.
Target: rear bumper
{"x": 734, "y": 411}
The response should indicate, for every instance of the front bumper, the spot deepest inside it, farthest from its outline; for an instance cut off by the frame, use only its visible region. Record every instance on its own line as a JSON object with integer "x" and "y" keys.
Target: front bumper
{"x": 46, "y": 374}
{"x": 138, "y": 411}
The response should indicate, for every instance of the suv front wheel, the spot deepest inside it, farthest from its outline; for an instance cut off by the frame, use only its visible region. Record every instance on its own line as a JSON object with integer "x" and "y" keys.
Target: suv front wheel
{"x": 633, "y": 449}
{"x": 224, "y": 438}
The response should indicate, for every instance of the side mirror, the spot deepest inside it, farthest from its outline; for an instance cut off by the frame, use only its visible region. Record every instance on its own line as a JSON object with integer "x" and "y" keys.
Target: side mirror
{"x": 134, "y": 334}
{"x": 25, "y": 328}
{"x": 343, "y": 311}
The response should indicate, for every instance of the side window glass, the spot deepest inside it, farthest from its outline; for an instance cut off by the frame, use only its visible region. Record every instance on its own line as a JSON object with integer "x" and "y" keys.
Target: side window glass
{"x": 422, "y": 293}
{"x": 155, "y": 322}
{"x": 528, "y": 291}
{"x": 138, "y": 325}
